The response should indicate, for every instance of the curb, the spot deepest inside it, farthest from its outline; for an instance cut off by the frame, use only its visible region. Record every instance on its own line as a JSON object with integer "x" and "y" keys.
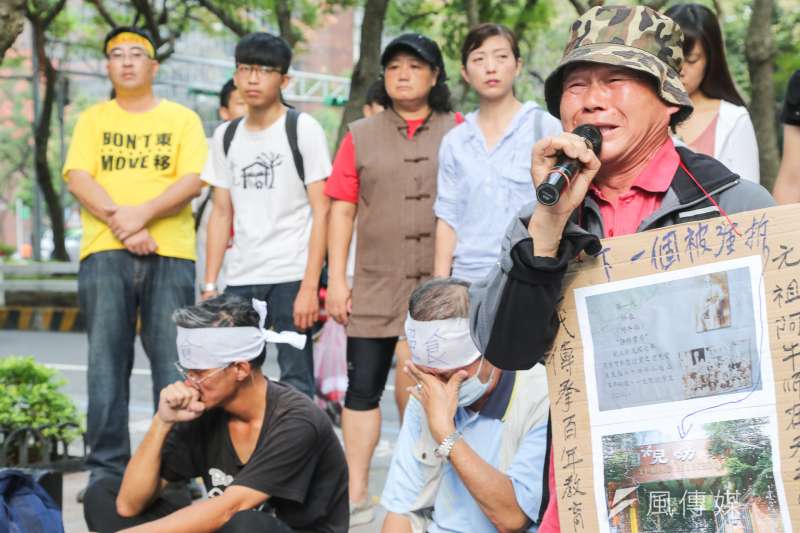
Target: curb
{"x": 61, "y": 319}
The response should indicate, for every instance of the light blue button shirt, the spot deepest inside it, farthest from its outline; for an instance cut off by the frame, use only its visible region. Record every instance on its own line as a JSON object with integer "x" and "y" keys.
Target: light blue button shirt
{"x": 480, "y": 190}
{"x": 455, "y": 510}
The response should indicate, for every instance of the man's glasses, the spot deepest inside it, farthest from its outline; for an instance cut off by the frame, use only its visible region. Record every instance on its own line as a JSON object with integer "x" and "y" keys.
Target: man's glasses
{"x": 135, "y": 55}
{"x": 191, "y": 375}
{"x": 260, "y": 70}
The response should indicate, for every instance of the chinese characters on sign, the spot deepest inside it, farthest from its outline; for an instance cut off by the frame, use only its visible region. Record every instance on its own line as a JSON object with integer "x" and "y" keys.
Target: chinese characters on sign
{"x": 676, "y": 366}
{"x": 569, "y": 460}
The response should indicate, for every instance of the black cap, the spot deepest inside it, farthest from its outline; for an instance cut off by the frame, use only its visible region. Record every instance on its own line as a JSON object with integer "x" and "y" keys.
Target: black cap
{"x": 419, "y": 45}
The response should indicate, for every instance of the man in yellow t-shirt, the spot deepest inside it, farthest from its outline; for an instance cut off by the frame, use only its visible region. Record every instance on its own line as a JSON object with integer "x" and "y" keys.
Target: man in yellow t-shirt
{"x": 134, "y": 165}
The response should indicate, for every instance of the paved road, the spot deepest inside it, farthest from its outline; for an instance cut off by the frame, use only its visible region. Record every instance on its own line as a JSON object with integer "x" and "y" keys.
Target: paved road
{"x": 67, "y": 353}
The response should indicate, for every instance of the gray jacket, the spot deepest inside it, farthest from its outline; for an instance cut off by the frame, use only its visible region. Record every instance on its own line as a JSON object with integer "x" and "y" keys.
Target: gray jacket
{"x": 513, "y": 310}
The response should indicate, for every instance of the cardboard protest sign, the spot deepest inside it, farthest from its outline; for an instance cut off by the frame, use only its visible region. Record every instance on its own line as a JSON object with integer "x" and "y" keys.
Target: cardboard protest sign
{"x": 675, "y": 380}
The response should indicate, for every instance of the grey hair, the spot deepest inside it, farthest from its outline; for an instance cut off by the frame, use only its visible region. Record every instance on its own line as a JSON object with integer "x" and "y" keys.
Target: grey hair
{"x": 440, "y": 298}
{"x": 225, "y": 310}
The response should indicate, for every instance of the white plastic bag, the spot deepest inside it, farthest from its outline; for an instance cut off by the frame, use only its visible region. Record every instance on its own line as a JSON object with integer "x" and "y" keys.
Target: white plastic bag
{"x": 330, "y": 363}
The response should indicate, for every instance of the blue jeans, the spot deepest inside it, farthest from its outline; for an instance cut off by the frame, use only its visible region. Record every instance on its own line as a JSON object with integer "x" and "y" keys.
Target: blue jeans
{"x": 112, "y": 287}
{"x": 297, "y": 366}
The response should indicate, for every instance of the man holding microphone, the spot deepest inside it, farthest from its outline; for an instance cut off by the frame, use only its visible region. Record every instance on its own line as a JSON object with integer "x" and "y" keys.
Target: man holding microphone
{"x": 619, "y": 72}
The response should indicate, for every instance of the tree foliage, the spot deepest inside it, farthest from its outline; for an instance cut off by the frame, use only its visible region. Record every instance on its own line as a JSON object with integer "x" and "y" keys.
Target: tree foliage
{"x": 367, "y": 68}
{"x": 449, "y": 21}
{"x": 620, "y": 457}
{"x": 746, "y": 450}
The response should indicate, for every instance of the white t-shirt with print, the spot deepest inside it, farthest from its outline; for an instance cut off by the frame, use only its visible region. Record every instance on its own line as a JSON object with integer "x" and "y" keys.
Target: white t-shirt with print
{"x": 271, "y": 213}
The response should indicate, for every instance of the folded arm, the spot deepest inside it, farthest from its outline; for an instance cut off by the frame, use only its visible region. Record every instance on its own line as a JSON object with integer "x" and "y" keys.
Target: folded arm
{"x": 95, "y": 199}
{"x": 91, "y": 195}
{"x": 128, "y": 219}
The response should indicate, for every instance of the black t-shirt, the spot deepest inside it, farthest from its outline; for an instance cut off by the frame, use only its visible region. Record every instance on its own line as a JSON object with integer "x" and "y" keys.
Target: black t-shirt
{"x": 297, "y": 461}
{"x": 791, "y": 104}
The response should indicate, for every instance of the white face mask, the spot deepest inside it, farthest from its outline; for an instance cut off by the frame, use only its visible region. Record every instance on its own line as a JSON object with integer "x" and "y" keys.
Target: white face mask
{"x": 472, "y": 389}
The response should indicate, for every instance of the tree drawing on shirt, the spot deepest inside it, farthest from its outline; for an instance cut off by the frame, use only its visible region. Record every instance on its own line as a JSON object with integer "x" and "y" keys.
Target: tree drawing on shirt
{"x": 260, "y": 174}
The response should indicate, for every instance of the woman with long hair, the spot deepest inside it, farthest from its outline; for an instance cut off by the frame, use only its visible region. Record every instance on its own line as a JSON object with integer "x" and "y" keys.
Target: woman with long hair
{"x": 385, "y": 171}
{"x": 720, "y": 125}
{"x": 484, "y": 164}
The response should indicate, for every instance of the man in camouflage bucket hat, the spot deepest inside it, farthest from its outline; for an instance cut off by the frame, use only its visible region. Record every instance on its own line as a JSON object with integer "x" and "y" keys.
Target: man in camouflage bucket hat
{"x": 637, "y": 38}
{"x": 620, "y": 73}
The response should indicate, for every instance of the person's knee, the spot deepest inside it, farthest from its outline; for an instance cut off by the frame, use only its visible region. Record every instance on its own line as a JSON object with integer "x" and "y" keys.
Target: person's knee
{"x": 99, "y": 500}
{"x": 363, "y": 398}
{"x": 368, "y": 363}
{"x": 249, "y": 521}
{"x": 364, "y": 389}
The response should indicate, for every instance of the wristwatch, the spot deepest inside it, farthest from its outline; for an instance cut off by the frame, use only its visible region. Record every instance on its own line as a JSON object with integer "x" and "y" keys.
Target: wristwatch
{"x": 443, "y": 450}
{"x": 208, "y": 287}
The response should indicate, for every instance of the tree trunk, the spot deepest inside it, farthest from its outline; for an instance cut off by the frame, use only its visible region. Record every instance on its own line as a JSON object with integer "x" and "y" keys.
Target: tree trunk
{"x": 283, "y": 12}
{"x": 472, "y": 9}
{"x": 760, "y": 53}
{"x": 12, "y": 15}
{"x": 473, "y": 13}
{"x": 367, "y": 67}
{"x": 42, "y": 135}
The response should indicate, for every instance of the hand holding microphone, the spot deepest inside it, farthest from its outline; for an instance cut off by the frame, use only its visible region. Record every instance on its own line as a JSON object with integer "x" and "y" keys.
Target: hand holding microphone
{"x": 561, "y": 195}
{"x": 567, "y": 166}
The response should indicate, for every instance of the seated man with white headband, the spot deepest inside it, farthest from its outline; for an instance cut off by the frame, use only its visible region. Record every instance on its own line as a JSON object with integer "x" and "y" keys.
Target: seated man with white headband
{"x": 268, "y": 456}
{"x": 471, "y": 453}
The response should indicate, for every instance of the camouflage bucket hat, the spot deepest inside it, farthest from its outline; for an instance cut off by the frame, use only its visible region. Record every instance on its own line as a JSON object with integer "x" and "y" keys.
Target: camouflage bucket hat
{"x": 633, "y": 37}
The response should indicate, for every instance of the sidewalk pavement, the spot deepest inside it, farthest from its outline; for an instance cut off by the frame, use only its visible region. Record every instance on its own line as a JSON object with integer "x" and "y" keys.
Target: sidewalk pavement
{"x": 66, "y": 352}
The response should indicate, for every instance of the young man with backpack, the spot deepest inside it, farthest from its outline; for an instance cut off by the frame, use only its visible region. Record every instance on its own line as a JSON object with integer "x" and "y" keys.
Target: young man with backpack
{"x": 269, "y": 169}
{"x": 231, "y": 107}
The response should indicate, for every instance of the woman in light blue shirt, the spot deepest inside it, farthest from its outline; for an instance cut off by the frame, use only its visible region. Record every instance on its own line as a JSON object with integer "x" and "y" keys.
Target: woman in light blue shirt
{"x": 484, "y": 164}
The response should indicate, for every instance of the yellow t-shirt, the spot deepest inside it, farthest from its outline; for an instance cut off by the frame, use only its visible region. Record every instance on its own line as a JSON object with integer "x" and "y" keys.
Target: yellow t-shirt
{"x": 135, "y": 157}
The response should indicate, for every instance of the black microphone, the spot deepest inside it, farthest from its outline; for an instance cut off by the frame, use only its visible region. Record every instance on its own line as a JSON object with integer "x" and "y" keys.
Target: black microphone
{"x": 549, "y": 191}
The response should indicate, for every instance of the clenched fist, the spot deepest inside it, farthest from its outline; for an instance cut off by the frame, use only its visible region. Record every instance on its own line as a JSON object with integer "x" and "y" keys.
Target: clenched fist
{"x": 179, "y": 403}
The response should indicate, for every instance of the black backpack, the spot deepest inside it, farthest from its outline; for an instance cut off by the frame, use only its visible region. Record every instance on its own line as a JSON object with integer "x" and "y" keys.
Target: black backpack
{"x": 292, "y": 115}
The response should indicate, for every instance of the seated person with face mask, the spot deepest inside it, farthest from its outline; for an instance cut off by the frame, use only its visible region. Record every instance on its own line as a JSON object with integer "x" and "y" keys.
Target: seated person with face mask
{"x": 471, "y": 453}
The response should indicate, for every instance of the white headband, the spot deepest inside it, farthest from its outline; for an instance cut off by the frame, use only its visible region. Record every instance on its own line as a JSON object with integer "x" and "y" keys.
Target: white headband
{"x": 203, "y": 348}
{"x": 442, "y": 344}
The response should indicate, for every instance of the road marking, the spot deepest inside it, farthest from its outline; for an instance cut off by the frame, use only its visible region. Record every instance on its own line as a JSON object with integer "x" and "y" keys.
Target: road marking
{"x": 136, "y": 371}
{"x": 83, "y": 368}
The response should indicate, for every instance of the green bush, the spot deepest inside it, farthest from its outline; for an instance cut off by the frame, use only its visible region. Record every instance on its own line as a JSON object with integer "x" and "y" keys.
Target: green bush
{"x": 30, "y": 397}
{"x": 6, "y": 250}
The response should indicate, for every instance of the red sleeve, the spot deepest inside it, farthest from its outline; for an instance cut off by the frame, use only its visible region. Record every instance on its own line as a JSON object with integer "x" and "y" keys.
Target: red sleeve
{"x": 343, "y": 183}
{"x": 459, "y": 118}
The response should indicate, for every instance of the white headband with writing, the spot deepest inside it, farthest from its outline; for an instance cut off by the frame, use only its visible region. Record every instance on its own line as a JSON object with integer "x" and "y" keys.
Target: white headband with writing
{"x": 442, "y": 344}
{"x": 203, "y": 348}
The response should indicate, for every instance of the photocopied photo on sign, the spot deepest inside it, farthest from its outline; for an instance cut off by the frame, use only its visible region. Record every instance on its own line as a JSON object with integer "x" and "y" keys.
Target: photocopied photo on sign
{"x": 681, "y": 399}
{"x": 676, "y": 341}
{"x": 722, "y": 479}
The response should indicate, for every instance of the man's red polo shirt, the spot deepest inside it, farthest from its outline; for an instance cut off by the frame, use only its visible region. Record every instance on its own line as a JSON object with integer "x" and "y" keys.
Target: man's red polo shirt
{"x": 623, "y": 215}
